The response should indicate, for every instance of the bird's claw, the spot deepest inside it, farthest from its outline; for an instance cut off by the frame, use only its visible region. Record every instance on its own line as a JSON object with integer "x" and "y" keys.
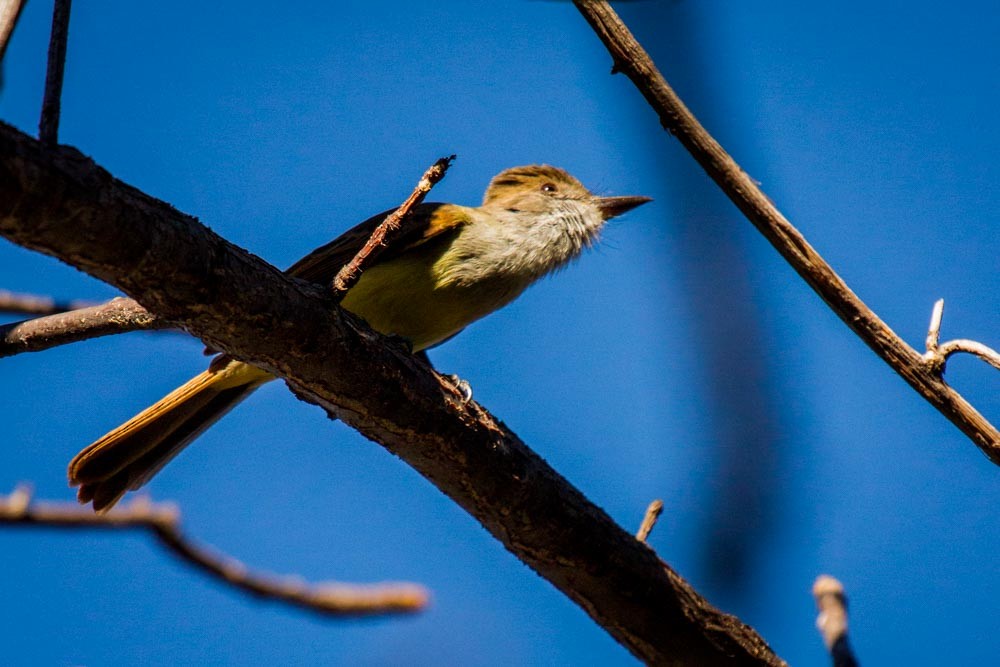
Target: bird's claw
{"x": 462, "y": 387}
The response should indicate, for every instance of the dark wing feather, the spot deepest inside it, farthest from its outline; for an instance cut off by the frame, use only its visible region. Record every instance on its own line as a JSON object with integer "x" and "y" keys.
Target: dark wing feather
{"x": 425, "y": 222}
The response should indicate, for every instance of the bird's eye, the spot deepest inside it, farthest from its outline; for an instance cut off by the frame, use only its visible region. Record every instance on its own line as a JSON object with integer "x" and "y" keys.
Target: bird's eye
{"x": 549, "y": 187}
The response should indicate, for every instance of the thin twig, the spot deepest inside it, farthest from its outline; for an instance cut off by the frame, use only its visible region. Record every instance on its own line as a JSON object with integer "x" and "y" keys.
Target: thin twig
{"x": 10, "y": 11}
{"x": 649, "y": 521}
{"x": 832, "y": 620}
{"x": 631, "y": 59}
{"x": 987, "y": 354}
{"x": 936, "y": 356}
{"x": 48, "y": 125}
{"x": 30, "y": 304}
{"x": 934, "y": 329}
{"x": 163, "y": 521}
{"x": 120, "y": 315}
{"x": 350, "y": 273}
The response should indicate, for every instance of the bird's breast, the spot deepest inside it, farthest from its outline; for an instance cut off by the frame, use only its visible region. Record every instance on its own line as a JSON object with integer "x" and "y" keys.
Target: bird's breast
{"x": 407, "y": 297}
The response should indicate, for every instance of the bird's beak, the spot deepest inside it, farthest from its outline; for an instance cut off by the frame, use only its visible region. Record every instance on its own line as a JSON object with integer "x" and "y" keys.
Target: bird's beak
{"x": 614, "y": 206}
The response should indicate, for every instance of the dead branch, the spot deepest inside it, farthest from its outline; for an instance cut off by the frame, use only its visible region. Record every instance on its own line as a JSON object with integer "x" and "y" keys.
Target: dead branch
{"x": 48, "y": 124}
{"x": 649, "y": 520}
{"x": 936, "y": 356}
{"x": 832, "y": 620}
{"x": 119, "y": 315}
{"x": 631, "y": 59}
{"x": 350, "y": 273}
{"x": 237, "y": 303}
{"x": 163, "y": 521}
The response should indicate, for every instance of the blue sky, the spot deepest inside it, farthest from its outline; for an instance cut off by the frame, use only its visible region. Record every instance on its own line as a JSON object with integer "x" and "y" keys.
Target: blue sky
{"x": 872, "y": 127}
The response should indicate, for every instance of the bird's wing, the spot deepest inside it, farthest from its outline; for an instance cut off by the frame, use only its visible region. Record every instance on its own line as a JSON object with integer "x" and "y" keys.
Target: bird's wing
{"x": 425, "y": 222}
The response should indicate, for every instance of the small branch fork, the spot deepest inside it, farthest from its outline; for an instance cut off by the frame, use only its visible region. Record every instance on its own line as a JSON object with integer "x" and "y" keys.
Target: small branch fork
{"x": 350, "y": 273}
{"x": 937, "y": 354}
{"x": 832, "y": 620}
{"x": 163, "y": 521}
{"x": 631, "y": 59}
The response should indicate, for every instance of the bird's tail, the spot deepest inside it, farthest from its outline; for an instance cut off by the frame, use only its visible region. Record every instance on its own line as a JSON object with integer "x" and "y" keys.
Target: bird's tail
{"x": 129, "y": 456}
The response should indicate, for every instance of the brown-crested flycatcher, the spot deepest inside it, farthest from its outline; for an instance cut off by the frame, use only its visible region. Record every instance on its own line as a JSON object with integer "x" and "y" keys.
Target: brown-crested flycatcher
{"x": 450, "y": 266}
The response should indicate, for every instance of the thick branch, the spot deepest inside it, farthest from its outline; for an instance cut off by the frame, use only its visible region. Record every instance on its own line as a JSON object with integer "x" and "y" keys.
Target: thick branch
{"x": 119, "y": 315}
{"x": 163, "y": 521}
{"x": 58, "y": 202}
{"x": 631, "y": 59}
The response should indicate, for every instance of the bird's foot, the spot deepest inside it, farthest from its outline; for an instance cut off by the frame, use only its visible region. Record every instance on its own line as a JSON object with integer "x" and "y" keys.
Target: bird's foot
{"x": 462, "y": 387}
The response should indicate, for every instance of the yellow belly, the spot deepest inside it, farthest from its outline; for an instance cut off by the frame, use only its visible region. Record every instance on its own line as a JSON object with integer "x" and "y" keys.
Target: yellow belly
{"x": 403, "y": 297}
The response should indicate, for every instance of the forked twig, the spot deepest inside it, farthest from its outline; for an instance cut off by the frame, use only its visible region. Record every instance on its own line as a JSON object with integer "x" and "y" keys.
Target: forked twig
{"x": 631, "y": 59}
{"x": 350, "y": 273}
{"x": 936, "y": 356}
{"x": 163, "y": 521}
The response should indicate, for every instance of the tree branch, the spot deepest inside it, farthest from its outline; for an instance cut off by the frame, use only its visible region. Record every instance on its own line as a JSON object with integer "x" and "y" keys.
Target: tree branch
{"x": 632, "y": 60}
{"x": 48, "y": 124}
{"x": 832, "y": 620}
{"x": 60, "y": 203}
{"x": 119, "y": 315}
{"x": 350, "y": 273}
{"x": 649, "y": 520}
{"x": 937, "y": 353}
{"x": 163, "y": 521}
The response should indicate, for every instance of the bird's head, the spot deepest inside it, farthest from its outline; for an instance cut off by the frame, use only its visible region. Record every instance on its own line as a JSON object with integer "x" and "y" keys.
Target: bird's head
{"x": 540, "y": 188}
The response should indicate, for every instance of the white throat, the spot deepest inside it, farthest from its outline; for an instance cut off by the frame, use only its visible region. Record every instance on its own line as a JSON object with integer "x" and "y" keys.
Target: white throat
{"x": 521, "y": 246}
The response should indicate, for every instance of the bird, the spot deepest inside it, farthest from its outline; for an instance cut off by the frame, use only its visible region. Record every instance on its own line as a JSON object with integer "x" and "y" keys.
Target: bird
{"x": 449, "y": 266}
